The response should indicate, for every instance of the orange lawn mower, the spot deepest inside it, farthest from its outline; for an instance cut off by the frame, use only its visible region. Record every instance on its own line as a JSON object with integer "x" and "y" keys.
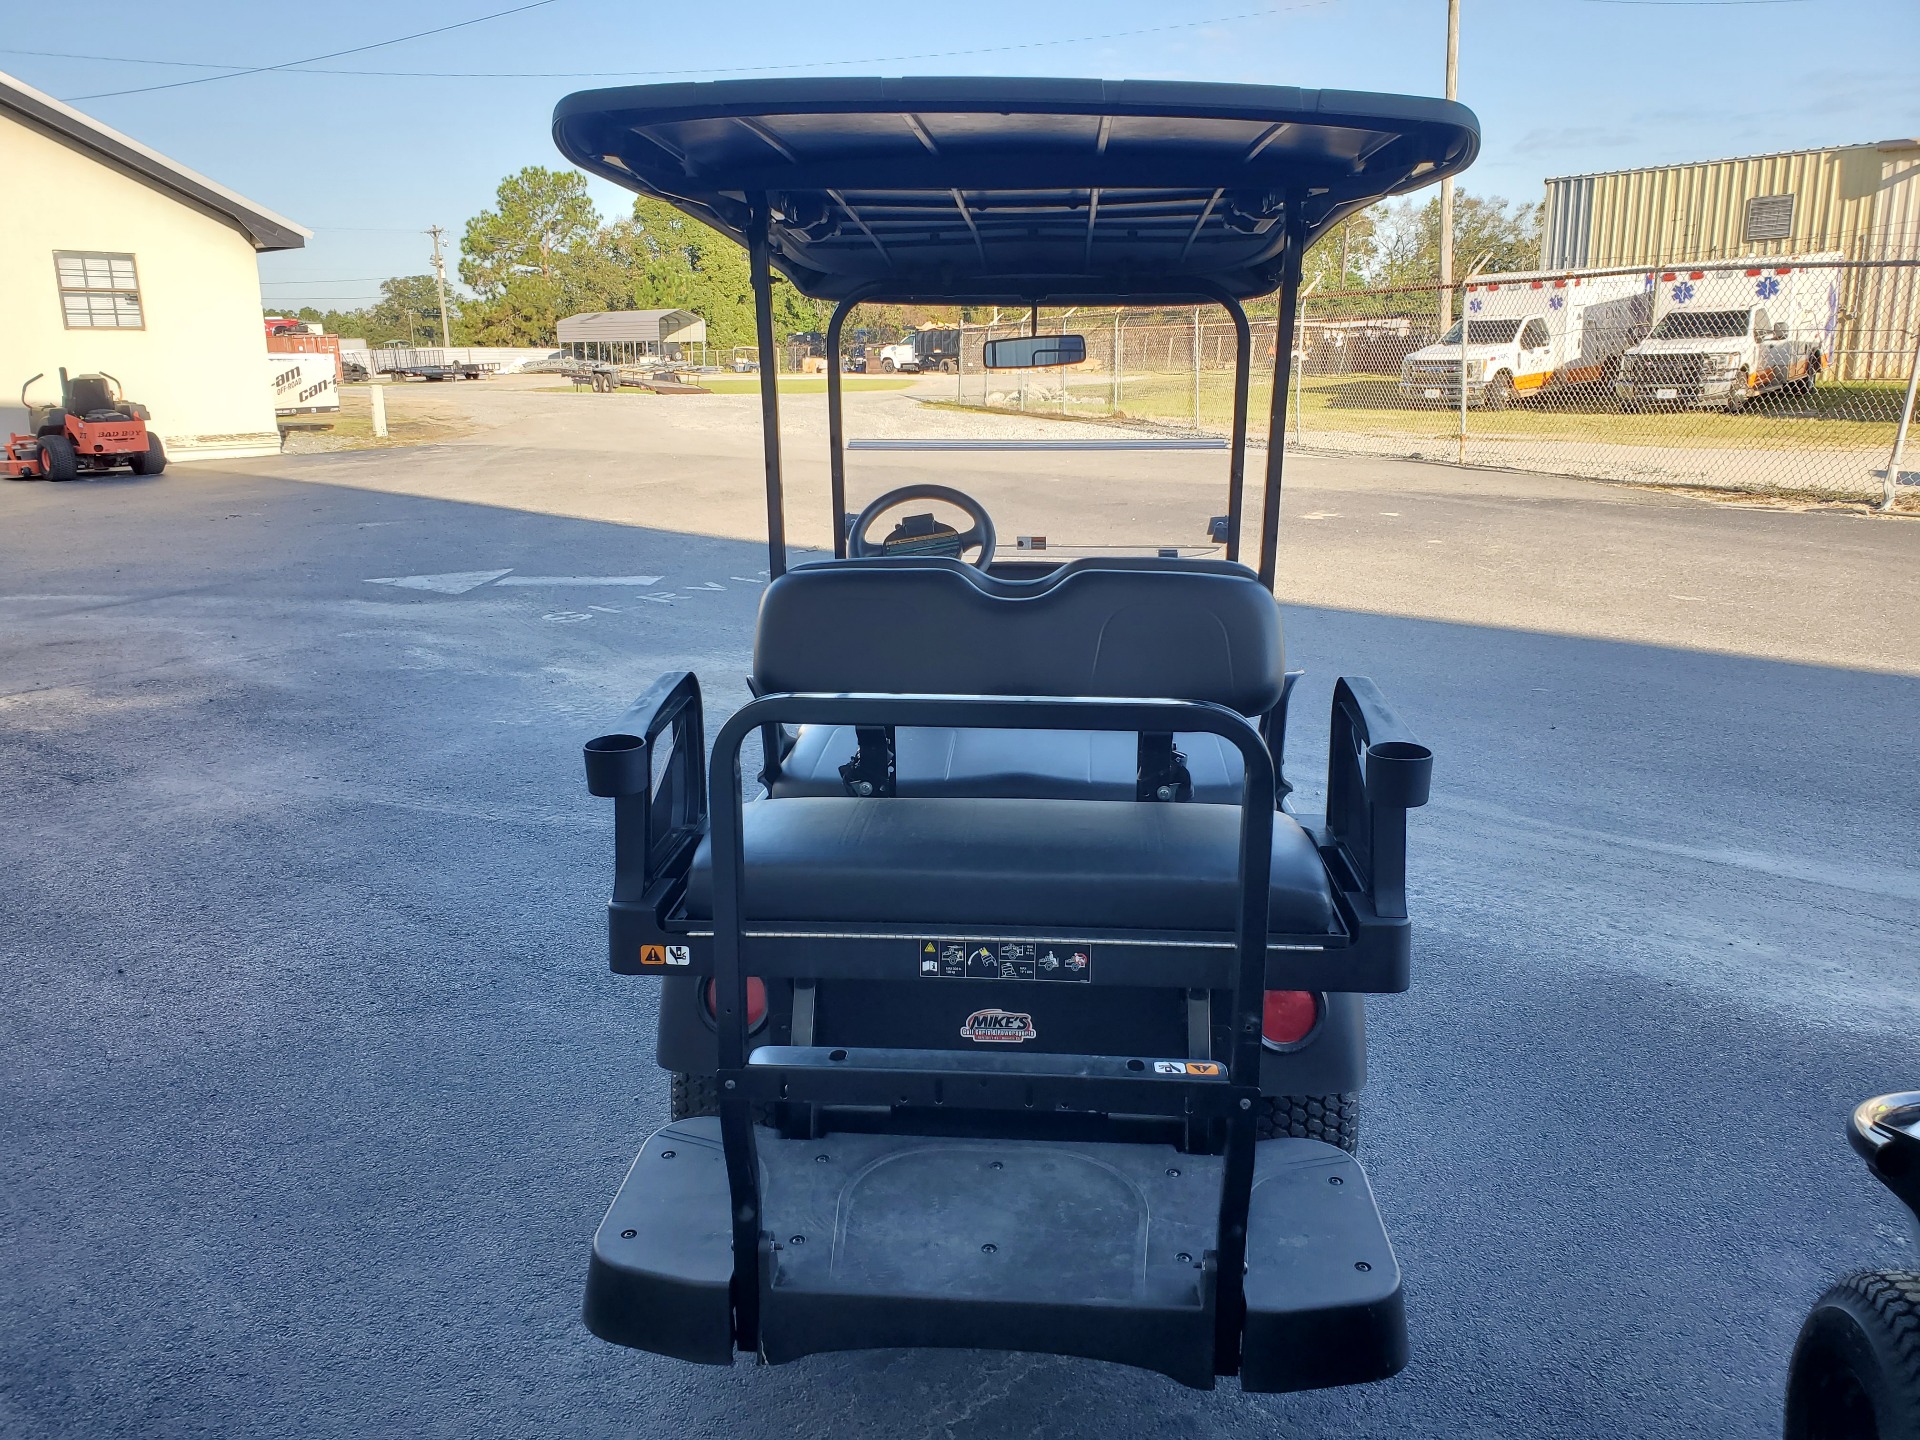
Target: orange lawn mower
{"x": 93, "y": 427}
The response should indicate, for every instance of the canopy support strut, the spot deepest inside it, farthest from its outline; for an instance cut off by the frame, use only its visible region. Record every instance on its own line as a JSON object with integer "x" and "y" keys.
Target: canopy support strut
{"x": 1282, "y": 378}
{"x": 759, "y": 260}
{"x": 837, "y": 429}
{"x": 1237, "y": 449}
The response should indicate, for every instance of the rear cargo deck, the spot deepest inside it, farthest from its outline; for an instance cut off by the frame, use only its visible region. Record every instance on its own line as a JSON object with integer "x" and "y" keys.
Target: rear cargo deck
{"x": 1098, "y": 1250}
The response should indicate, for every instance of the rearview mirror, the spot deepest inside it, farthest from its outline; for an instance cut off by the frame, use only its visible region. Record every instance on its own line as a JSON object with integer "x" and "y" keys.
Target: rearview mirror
{"x": 1029, "y": 352}
{"x": 1780, "y": 331}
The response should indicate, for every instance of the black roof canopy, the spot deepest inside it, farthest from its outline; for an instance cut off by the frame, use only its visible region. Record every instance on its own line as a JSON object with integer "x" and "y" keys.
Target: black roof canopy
{"x": 1017, "y": 190}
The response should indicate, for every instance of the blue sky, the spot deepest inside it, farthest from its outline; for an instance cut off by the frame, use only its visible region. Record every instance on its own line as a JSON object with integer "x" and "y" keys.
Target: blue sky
{"x": 369, "y": 160}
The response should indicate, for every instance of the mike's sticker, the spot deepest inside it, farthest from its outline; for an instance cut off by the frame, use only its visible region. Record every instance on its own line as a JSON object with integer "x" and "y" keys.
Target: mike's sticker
{"x": 999, "y": 1027}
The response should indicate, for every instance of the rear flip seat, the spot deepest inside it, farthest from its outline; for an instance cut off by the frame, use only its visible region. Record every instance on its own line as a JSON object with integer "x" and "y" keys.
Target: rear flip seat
{"x": 962, "y": 865}
{"x": 1045, "y": 764}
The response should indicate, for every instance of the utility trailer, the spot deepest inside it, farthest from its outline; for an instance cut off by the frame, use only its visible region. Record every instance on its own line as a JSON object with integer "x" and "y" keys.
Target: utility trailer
{"x": 434, "y": 364}
{"x": 1022, "y": 1011}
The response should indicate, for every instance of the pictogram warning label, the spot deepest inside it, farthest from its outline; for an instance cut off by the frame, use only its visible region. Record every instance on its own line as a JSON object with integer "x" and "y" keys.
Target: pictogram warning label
{"x": 653, "y": 954}
{"x": 946, "y": 958}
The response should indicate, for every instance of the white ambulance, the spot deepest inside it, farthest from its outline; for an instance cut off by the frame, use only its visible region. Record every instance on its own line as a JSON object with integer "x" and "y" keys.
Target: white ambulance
{"x": 1528, "y": 332}
{"x": 1730, "y": 330}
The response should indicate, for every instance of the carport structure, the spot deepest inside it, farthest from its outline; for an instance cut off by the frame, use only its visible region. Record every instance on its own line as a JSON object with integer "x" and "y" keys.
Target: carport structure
{"x": 627, "y": 336}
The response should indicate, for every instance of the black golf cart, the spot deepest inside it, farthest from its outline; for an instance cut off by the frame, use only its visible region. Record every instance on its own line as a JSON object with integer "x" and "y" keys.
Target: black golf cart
{"x": 1027, "y": 1007}
{"x": 1855, "y": 1373}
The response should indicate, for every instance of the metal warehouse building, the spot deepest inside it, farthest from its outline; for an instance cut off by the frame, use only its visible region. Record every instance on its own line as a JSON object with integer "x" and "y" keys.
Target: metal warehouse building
{"x": 1860, "y": 200}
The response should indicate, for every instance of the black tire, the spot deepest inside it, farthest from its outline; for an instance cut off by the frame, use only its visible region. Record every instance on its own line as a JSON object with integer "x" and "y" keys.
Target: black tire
{"x": 887, "y": 365}
{"x": 1855, "y": 1373}
{"x": 1499, "y": 392}
{"x": 946, "y": 367}
{"x": 57, "y": 458}
{"x": 1737, "y": 393}
{"x": 1332, "y": 1118}
{"x": 153, "y": 462}
{"x": 689, "y": 1096}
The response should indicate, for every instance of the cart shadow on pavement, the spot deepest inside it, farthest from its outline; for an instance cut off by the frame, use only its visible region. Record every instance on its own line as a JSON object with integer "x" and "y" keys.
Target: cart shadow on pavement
{"x": 318, "y": 1083}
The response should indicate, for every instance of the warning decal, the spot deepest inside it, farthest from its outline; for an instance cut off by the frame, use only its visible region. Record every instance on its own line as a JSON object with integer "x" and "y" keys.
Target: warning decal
{"x": 1188, "y": 1067}
{"x": 947, "y": 958}
{"x": 653, "y": 955}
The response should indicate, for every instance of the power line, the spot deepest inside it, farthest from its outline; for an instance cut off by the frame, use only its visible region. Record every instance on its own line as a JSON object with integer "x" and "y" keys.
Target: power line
{"x": 330, "y": 55}
{"x": 711, "y": 70}
{"x": 331, "y": 280}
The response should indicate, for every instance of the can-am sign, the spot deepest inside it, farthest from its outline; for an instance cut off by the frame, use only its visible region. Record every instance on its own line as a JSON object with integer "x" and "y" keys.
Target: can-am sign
{"x": 998, "y": 1027}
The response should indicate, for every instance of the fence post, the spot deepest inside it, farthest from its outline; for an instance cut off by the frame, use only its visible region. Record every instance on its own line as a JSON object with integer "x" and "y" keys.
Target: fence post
{"x": 1299, "y": 368}
{"x": 377, "y": 397}
{"x": 1900, "y": 434}
{"x": 1464, "y": 327}
{"x": 1113, "y": 404}
{"x": 1196, "y": 367}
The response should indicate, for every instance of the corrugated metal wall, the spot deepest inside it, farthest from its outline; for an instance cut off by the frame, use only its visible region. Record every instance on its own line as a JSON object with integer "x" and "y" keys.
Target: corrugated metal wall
{"x": 1863, "y": 201}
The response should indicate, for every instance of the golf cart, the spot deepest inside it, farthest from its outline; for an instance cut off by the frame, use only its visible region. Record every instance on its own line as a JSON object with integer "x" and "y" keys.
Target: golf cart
{"x": 1855, "y": 1373}
{"x": 1020, "y": 1012}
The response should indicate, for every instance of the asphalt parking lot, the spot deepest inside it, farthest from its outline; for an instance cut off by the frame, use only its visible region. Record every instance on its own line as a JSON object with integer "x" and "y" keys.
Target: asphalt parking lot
{"x": 315, "y": 1083}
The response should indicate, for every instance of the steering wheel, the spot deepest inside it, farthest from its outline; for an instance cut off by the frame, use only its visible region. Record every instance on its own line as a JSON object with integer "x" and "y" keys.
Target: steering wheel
{"x": 921, "y": 534}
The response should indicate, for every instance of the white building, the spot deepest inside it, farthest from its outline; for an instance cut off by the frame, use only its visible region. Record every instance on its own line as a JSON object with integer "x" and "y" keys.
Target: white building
{"x": 115, "y": 259}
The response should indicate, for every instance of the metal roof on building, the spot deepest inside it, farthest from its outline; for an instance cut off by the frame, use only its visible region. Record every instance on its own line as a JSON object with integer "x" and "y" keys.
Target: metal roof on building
{"x": 267, "y": 230}
{"x": 650, "y": 326}
{"x": 1017, "y": 189}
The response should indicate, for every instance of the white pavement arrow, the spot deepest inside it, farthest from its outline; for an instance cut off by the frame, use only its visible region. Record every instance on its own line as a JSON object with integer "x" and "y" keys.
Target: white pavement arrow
{"x": 580, "y": 579}
{"x": 457, "y": 583}
{"x": 461, "y": 581}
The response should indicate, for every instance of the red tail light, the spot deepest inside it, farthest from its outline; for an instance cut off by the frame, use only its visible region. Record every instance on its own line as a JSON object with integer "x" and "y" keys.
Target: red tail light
{"x": 756, "y": 1002}
{"x": 1289, "y": 1017}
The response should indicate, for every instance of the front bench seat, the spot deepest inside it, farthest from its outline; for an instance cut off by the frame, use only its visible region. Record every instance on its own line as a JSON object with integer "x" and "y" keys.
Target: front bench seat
{"x": 1060, "y": 765}
{"x": 967, "y": 866}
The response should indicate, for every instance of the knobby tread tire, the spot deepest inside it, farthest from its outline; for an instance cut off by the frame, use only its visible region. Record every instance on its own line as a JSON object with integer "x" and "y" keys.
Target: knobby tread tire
{"x": 1332, "y": 1118}
{"x": 1858, "y": 1351}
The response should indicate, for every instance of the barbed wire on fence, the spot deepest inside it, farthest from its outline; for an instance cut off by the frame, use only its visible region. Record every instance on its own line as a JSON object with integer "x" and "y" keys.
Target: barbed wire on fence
{"x": 1779, "y": 375}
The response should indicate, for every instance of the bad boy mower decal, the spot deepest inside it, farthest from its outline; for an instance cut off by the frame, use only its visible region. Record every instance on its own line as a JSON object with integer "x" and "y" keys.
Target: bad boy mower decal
{"x": 999, "y": 1027}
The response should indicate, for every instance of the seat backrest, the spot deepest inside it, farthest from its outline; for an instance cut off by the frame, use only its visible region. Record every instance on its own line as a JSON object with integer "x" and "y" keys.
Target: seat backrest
{"x": 1184, "y": 634}
{"x": 87, "y": 393}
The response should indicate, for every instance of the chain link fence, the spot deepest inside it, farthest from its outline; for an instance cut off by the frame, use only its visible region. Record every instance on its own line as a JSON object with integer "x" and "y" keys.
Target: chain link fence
{"x": 1783, "y": 377}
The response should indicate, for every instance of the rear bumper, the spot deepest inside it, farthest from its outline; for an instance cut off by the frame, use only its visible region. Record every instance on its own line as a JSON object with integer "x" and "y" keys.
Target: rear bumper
{"x": 1095, "y": 1250}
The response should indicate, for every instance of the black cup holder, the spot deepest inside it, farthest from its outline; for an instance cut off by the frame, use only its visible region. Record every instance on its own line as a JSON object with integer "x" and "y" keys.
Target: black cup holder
{"x": 1399, "y": 772}
{"x": 617, "y": 765}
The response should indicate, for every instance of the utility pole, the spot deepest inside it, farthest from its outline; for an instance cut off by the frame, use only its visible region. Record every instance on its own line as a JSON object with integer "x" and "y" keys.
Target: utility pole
{"x": 1446, "y": 185}
{"x": 440, "y": 280}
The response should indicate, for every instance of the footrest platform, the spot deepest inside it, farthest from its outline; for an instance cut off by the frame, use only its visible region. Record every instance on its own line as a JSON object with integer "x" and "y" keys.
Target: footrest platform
{"x": 1091, "y": 1249}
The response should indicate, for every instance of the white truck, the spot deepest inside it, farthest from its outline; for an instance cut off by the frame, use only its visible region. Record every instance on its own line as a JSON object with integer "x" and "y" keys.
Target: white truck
{"x": 1531, "y": 331}
{"x": 1730, "y": 330}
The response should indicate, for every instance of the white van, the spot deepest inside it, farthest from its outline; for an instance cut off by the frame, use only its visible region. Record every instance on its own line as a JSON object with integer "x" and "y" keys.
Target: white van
{"x": 1526, "y": 332}
{"x": 1742, "y": 328}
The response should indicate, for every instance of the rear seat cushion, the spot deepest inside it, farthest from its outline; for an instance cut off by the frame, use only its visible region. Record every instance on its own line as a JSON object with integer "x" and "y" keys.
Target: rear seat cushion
{"x": 1047, "y": 764}
{"x": 976, "y": 865}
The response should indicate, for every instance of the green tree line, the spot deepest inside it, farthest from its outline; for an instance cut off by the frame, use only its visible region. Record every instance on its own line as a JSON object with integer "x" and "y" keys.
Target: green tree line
{"x": 543, "y": 251}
